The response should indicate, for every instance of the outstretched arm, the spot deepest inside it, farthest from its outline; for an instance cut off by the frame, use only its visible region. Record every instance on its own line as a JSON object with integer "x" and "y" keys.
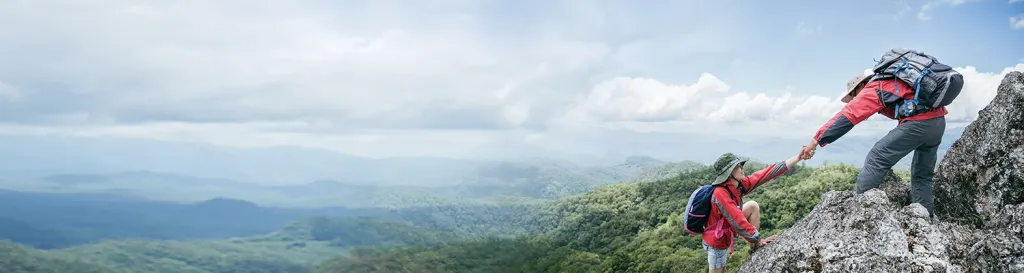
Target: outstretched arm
{"x": 762, "y": 176}
{"x": 792, "y": 161}
{"x": 865, "y": 104}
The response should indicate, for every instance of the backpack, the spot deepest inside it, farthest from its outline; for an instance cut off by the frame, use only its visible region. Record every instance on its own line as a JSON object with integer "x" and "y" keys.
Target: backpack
{"x": 934, "y": 84}
{"x": 698, "y": 209}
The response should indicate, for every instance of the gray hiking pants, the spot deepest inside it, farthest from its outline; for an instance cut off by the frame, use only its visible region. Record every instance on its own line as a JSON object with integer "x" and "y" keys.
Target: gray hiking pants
{"x": 919, "y": 136}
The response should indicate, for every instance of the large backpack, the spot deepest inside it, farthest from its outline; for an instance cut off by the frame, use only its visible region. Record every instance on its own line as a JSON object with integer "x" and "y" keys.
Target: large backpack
{"x": 698, "y": 209}
{"x": 934, "y": 84}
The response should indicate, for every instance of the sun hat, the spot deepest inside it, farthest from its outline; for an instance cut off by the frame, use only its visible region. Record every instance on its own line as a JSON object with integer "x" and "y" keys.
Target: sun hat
{"x": 853, "y": 85}
{"x": 725, "y": 165}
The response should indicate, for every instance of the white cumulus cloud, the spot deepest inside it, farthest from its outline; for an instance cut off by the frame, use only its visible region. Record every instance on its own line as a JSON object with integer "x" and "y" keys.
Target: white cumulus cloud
{"x": 1017, "y": 22}
{"x": 979, "y": 89}
{"x": 447, "y": 77}
{"x": 709, "y": 102}
{"x": 629, "y": 99}
{"x": 923, "y": 13}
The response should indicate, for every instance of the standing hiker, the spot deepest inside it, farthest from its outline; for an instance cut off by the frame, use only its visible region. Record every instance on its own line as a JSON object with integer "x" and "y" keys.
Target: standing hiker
{"x": 907, "y": 86}
{"x": 726, "y": 218}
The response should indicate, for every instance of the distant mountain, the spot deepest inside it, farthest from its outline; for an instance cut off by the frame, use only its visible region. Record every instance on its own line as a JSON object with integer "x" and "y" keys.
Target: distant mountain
{"x": 483, "y": 183}
{"x": 26, "y": 233}
{"x": 665, "y": 171}
{"x": 705, "y": 148}
{"x": 49, "y": 220}
{"x": 360, "y": 231}
{"x": 299, "y": 177}
{"x": 57, "y": 220}
{"x": 535, "y": 178}
{"x": 46, "y": 155}
{"x": 26, "y": 157}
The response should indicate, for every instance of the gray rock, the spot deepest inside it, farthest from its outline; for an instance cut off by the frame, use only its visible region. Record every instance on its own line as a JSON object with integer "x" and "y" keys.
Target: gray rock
{"x": 997, "y": 251}
{"x": 980, "y": 182}
{"x": 961, "y": 239}
{"x": 983, "y": 171}
{"x": 897, "y": 189}
{"x": 848, "y": 232}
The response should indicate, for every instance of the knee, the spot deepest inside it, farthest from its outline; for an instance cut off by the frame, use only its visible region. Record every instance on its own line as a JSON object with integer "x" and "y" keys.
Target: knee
{"x": 751, "y": 207}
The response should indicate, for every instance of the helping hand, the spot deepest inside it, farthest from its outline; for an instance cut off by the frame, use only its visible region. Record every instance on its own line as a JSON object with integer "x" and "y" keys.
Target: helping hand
{"x": 808, "y": 150}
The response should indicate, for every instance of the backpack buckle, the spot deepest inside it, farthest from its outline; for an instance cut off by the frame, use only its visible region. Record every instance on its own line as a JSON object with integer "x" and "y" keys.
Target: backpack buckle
{"x": 907, "y": 109}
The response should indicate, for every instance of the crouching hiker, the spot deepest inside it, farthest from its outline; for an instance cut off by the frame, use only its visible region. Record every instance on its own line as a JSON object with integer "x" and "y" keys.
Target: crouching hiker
{"x": 714, "y": 210}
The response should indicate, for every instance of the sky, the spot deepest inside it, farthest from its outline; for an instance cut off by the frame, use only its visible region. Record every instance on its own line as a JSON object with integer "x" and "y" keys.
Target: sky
{"x": 461, "y": 78}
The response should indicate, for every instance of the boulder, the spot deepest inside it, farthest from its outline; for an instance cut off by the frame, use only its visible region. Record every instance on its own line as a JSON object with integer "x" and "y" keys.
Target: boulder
{"x": 980, "y": 181}
{"x": 850, "y": 232}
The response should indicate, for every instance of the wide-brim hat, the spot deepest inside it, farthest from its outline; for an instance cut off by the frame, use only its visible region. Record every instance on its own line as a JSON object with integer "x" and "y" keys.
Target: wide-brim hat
{"x": 852, "y": 85}
{"x": 725, "y": 172}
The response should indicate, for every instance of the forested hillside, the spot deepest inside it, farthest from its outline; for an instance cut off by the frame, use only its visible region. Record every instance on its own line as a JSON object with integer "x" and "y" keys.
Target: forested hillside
{"x": 618, "y": 228}
{"x": 295, "y": 248}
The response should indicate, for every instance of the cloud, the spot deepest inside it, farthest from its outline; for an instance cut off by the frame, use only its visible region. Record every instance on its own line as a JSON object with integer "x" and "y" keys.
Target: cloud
{"x": 642, "y": 99}
{"x": 377, "y": 66}
{"x": 979, "y": 89}
{"x": 1015, "y": 1}
{"x": 652, "y": 105}
{"x": 1017, "y": 22}
{"x": 449, "y": 65}
{"x": 903, "y": 8}
{"x": 449, "y": 77}
{"x": 922, "y": 14}
{"x": 646, "y": 104}
{"x": 333, "y": 74}
{"x": 8, "y": 92}
{"x": 804, "y": 28}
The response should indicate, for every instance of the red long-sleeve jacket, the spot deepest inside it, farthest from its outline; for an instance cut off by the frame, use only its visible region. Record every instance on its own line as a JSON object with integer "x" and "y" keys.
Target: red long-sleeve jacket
{"x": 726, "y": 216}
{"x": 876, "y": 97}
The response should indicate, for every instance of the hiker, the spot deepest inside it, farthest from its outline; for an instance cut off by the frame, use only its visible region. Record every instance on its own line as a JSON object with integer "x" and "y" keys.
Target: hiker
{"x": 726, "y": 217}
{"x": 920, "y": 125}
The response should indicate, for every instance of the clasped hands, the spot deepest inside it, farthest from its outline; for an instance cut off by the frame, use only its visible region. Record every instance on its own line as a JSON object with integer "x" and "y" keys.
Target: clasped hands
{"x": 807, "y": 151}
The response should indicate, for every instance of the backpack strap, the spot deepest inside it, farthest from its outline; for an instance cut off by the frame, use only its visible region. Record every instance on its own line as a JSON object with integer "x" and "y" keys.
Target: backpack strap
{"x": 719, "y": 232}
{"x": 733, "y": 197}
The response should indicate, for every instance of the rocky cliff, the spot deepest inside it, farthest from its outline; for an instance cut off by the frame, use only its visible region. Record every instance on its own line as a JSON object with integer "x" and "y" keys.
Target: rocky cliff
{"x": 979, "y": 200}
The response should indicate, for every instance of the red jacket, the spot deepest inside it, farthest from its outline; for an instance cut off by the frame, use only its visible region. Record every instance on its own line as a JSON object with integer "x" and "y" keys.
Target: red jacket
{"x": 876, "y": 97}
{"x": 726, "y": 218}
